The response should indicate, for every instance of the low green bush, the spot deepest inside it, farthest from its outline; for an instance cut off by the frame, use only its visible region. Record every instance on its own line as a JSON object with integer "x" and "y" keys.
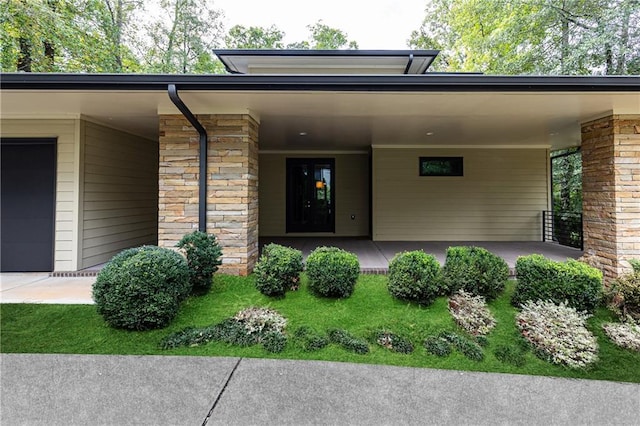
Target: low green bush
{"x": 141, "y": 288}
{"x": 469, "y": 348}
{"x": 392, "y": 341}
{"x": 475, "y": 270}
{"x": 437, "y": 346}
{"x": 573, "y": 282}
{"x": 623, "y": 296}
{"x": 348, "y": 341}
{"x": 250, "y": 326}
{"x": 203, "y": 257}
{"x": 511, "y": 354}
{"x": 278, "y": 270}
{"x": 332, "y": 272}
{"x": 415, "y": 276}
{"x": 309, "y": 339}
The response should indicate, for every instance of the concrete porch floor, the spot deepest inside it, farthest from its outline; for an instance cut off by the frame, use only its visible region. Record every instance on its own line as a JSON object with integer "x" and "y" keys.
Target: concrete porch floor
{"x": 374, "y": 256}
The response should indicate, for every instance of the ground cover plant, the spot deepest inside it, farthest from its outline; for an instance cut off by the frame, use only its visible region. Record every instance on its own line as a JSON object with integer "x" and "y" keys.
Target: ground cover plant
{"x": 471, "y": 313}
{"x": 29, "y": 328}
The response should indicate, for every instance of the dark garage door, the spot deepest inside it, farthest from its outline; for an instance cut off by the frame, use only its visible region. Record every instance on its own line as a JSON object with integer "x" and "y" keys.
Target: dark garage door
{"x": 27, "y": 204}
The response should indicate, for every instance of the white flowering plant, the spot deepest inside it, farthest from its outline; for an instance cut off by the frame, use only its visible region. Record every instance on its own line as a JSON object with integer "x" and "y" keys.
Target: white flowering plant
{"x": 471, "y": 313}
{"x": 625, "y": 335}
{"x": 558, "y": 333}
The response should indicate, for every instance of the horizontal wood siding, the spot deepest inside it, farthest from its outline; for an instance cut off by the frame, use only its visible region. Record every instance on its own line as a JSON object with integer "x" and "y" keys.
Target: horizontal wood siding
{"x": 499, "y": 198}
{"x": 66, "y": 215}
{"x": 352, "y": 194}
{"x": 120, "y": 193}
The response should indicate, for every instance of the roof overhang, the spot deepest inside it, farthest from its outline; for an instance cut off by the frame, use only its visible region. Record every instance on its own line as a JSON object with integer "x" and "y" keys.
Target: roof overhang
{"x": 340, "y": 112}
{"x": 322, "y": 62}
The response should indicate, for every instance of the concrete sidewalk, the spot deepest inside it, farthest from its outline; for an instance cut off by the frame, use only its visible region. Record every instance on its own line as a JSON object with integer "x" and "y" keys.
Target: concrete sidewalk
{"x": 158, "y": 390}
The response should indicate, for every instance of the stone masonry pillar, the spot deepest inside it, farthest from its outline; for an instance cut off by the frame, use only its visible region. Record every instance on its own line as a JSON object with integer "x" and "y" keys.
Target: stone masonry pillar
{"x": 232, "y": 185}
{"x": 611, "y": 192}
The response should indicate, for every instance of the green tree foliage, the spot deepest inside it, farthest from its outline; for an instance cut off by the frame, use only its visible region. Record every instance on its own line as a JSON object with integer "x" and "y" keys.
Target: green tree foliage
{"x": 240, "y": 37}
{"x": 567, "y": 180}
{"x": 533, "y": 36}
{"x": 67, "y": 35}
{"x": 183, "y": 44}
{"x": 324, "y": 37}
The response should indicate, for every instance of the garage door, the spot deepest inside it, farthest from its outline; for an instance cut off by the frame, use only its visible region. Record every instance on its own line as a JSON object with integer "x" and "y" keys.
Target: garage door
{"x": 27, "y": 204}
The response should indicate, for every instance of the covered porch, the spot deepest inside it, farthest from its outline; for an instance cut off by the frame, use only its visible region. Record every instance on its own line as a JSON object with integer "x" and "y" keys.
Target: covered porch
{"x": 374, "y": 256}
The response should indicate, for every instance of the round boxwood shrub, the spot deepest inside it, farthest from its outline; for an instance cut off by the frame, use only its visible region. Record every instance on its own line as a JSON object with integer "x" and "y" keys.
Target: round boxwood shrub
{"x": 573, "y": 282}
{"x": 203, "y": 257}
{"x": 414, "y": 276}
{"x": 278, "y": 270}
{"x": 141, "y": 288}
{"x": 332, "y": 272}
{"x": 475, "y": 270}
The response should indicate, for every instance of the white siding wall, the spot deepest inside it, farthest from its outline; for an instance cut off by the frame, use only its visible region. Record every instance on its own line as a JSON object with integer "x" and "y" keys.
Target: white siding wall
{"x": 499, "y": 198}
{"x": 119, "y": 193}
{"x": 67, "y": 190}
{"x": 352, "y": 194}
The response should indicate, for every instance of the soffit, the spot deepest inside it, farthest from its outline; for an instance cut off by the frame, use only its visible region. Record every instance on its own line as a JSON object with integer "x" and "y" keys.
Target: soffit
{"x": 348, "y": 121}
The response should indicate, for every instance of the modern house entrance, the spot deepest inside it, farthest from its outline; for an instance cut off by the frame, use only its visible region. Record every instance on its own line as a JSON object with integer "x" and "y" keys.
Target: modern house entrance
{"x": 311, "y": 195}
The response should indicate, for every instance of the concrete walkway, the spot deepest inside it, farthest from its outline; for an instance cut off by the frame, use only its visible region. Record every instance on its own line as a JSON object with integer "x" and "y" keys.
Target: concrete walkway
{"x": 41, "y": 288}
{"x": 156, "y": 390}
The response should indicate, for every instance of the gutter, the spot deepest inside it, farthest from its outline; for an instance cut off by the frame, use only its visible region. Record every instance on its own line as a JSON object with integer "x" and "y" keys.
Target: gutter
{"x": 424, "y": 83}
{"x": 202, "y": 185}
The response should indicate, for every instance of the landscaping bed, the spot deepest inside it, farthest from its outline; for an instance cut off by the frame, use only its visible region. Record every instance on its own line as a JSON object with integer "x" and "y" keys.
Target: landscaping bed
{"x": 79, "y": 329}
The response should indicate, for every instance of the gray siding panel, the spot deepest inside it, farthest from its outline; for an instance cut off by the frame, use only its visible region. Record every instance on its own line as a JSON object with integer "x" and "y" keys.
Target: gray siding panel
{"x": 499, "y": 198}
{"x": 120, "y": 193}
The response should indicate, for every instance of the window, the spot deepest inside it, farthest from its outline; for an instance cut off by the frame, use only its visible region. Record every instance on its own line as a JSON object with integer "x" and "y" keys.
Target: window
{"x": 441, "y": 166}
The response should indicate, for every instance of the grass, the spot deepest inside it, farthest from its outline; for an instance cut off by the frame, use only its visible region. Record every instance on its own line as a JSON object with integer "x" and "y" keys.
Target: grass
{"x": 78, "y": 329}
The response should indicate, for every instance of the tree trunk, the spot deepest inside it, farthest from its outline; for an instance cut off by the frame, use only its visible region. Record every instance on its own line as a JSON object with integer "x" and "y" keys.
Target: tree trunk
{"x": 24, "y": 58}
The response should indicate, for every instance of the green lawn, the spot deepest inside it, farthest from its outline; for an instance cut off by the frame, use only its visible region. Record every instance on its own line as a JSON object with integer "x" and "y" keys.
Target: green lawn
{"x": 78, "y": 329}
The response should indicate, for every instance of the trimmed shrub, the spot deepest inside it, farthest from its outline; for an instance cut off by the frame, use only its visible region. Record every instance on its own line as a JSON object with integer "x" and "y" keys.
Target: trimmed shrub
{"x": 471, "y": 313}
{"x": 623, "y": 296}
{"x": 332, "y": 272}
{"x": 141, "y": 288}
{"x": 278, "y": 270}
{"x": 415, "y": 276}
{"x": 558, "y": 333}
{"x": 203, "y": 257}
{"x": 475, "y": 270}
{"x": 573, "y": 282}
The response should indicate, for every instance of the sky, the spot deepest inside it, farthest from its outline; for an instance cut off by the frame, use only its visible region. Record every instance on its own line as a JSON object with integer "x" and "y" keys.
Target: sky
{"x": 374, "y": 24}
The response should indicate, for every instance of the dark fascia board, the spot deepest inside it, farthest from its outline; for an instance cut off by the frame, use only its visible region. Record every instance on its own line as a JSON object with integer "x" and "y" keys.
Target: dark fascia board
{"x": 339, "y": 83}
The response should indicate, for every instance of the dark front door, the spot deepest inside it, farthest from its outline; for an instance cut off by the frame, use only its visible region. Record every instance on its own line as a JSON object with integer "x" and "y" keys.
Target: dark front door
{"x": 311, "y": 195}
{"x": 27, "y": 208}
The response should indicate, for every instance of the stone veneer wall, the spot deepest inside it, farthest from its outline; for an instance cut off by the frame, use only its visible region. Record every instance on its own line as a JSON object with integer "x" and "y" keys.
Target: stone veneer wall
{"x": 611, "y": 191}
{"x": 232, "y": 185}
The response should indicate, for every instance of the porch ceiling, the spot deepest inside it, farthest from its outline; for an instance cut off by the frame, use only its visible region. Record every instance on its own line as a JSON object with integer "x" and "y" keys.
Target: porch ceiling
{"x": 333, "y": 120}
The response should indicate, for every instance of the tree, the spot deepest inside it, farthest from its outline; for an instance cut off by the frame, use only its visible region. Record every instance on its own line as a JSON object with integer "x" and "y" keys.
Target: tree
{"x": 184, "y": 44}
{"x": 240, "y": 37}
{"x": 533, "y": 37}
{"x": 324, "y": 37}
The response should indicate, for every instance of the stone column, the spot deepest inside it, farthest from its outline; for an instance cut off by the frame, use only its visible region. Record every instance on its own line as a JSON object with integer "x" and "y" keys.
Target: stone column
{"x": 611, "y": 191}
{"x": 232, "y": 185}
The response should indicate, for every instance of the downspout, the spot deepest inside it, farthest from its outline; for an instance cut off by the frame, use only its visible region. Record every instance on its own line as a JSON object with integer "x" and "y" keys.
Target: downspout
{"x": 202, "y": 185}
